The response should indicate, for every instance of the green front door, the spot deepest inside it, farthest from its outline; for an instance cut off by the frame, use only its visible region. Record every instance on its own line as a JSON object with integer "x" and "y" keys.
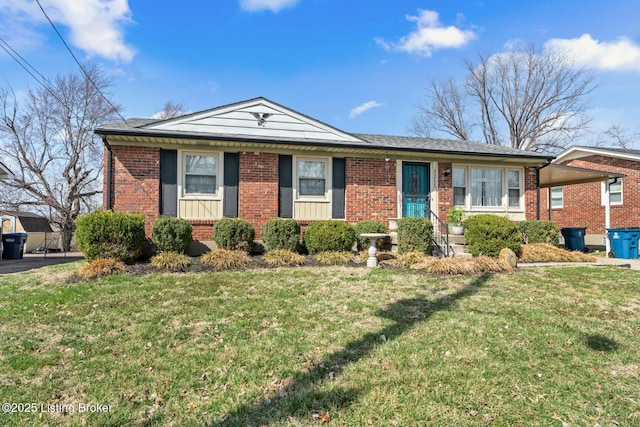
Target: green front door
{"x": 415, "y": 190}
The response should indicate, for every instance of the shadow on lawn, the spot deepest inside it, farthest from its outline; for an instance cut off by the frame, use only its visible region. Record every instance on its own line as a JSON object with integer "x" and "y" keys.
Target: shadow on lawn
{"x": 299, "y": 399}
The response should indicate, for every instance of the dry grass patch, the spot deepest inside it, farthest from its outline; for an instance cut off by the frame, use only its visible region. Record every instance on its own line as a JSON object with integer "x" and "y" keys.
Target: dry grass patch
{"x": 283, "y": 258}
{"x": 171, "y": 260}
{"x": 475, "y": 265}
{"x": 410, "y": 258}
{"x": 544, "y": 252}
{"x": 226, "y": 259}
{"x": 101, "y": 267}
{"x": 334, "y": 258}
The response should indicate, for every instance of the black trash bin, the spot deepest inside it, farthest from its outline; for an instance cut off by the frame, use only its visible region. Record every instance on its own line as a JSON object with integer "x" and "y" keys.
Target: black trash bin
{"x": 573, "y": 238}
{"x": 13, "y": 245}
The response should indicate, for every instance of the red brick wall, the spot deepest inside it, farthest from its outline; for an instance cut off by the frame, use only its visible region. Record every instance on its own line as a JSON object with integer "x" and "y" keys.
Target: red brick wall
{"x": 582, "y": 204}
{"x": 370, "y": 190}
{"x": 531, "y": 194}
{"x": 445, "y": 190}
{"x": 136, "y": 182}
{"x": 258, "y": 188}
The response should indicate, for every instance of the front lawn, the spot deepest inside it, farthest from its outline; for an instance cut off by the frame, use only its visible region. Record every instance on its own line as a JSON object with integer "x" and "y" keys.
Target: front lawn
{"x": 343, "y": 346}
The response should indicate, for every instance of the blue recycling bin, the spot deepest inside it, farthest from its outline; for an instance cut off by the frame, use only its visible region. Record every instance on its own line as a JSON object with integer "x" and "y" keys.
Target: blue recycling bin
{"x": 13, "y": 245}
{"x": 624, "y": 242}
{"x": 573, "y": 238}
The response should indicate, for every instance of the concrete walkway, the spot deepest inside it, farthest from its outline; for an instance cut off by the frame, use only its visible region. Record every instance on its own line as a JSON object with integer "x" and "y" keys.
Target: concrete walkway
{"x": 633, "y": 264}
{"x": 32, "y": 261}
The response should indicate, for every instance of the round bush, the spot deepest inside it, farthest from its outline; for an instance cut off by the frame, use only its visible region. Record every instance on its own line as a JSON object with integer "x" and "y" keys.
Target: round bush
{"x": 329, "y": 235}
{"x": 107, "y": 234}
{"x": 170, "y": 234}
{"x": 369, "y": 227}
{"x": 487, "y": 234}
{"x": 540, "y": 231}
{"x": 281, "y": 233}
{"x": 234, "y": 233}
{"x": 414, "y": 235}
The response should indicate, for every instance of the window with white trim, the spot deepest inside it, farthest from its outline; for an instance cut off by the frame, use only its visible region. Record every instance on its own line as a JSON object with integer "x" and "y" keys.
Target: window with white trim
{"x": 459, "y": 186}
{"x": 514, "y": 189}
{"x": 312, "y": 177}
{"x": 557, "y": 197}
{"x": 200, "y": 174}
{"x": 615, "y": 193}
{"x": 486, "y": 187}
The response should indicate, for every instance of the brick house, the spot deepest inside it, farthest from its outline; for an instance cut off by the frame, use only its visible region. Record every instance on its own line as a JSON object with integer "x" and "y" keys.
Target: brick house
{"x": 259, "y": 160}
{"x": 584, "y": 204}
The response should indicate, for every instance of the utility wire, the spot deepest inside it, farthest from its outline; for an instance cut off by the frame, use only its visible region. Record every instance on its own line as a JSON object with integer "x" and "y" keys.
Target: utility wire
{"x": 79, "y": 64}
{"x": 24, "y": 63}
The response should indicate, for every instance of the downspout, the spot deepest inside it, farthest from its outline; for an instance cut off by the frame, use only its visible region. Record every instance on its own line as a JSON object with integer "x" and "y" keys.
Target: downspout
{"x": 109, "y": 175}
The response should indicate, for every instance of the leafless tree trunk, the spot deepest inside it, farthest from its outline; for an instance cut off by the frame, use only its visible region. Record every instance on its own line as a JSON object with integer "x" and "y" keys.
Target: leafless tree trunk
{"x": 47, "y": 141}
{"x": 526, "y": 99}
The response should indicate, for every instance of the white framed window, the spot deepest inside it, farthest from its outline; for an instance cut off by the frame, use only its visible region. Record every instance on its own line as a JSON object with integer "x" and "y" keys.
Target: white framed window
{"x": 615, "y": 193}
{"x": 486, "y": 187}
{"x": 312, "y": 178}
{"x": 514, "y": 188}
{"x": 459, "y": 186}
{"x": 200, "y": 174}
{"x": 557, "y": 197}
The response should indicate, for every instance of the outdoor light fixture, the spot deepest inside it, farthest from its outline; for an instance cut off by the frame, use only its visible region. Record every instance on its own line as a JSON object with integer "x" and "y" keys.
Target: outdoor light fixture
{"x": 447, "y": 171}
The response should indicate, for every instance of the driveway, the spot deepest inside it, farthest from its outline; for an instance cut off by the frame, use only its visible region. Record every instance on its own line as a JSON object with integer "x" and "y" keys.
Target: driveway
{"x": 31, "y": 261}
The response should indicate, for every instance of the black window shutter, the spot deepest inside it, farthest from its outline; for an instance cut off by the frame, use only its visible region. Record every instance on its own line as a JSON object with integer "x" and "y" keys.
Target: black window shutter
{"x": 285, "y": 184}
{"x": 168, "y": 182}
{"x": 231, "y": 180}
{"x": 338, "y": 189}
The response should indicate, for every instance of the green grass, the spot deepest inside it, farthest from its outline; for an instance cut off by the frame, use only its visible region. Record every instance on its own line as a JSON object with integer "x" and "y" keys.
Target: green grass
{"x": 282, "y": 347}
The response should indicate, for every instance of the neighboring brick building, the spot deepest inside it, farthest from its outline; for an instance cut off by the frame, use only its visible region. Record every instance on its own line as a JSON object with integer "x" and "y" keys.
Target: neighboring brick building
{"x": 583, "y": 205}
{"x": 259, "y": 160}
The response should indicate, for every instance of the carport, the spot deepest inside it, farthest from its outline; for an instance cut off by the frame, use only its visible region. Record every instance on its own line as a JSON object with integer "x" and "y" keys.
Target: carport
{"x": 553, "y": 175}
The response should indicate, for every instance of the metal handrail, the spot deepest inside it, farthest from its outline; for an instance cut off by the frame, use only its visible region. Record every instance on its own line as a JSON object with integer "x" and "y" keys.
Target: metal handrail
{"x": 440, "y": 233}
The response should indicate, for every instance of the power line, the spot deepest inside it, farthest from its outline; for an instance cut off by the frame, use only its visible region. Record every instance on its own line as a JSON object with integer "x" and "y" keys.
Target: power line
{"x": 79, "y": 64}
{"x": 24, "y": 63}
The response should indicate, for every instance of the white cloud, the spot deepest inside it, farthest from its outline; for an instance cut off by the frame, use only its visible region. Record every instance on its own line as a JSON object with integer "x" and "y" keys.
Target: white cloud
{"x": 428, "y": 35}
{"x": 621, "y": 55}
{"x": 259, "y": 5}
{"x": 95, "y": 26}
{"x": 364, "y": 107}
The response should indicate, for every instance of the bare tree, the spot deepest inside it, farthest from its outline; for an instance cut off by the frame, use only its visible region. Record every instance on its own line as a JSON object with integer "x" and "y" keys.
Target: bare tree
{"x": 47, "y": 140}
{"x": 170, "y": 110}
{"x": 526, "y": 99}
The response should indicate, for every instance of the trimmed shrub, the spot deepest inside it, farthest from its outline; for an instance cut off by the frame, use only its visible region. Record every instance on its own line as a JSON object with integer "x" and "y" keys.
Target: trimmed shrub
{"x": 369, "y": 227}
{"x": 540, "y": 231}
{"x": 234, "y": 233}
{"x": 226, "y": 259}
{"x": 487, "y": 234}
{"x": 172, "y": 234}
{"x": 101, "y": 267}
{"x": 107, "y": 234}
{"x": 281, "y": 233}
{"x": 414, "y": 235}
{"x": 334, "y": 257}
{"x": 171, "y": 260}
{"x": 283, "y": 258}
{"x": 324, "y": 236}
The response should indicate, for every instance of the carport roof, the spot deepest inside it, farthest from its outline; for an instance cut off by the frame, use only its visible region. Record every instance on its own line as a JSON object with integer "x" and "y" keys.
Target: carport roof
{"x": 554, "y": 175}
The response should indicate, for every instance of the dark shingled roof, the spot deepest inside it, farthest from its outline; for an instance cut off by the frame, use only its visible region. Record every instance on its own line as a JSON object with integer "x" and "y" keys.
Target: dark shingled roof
{"x": 32, "y": 223}
{"x": 135, "y": 127}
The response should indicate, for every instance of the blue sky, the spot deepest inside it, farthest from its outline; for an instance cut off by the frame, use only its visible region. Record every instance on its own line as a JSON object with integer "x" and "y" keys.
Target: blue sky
{"x": 361, "y": 66}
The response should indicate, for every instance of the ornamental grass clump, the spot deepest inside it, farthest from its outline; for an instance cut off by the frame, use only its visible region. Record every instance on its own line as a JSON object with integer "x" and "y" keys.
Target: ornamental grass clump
{"x": 226, "y": 259}
{"x": 101, "y": 267}
{"x": 411, "y": 258}
{"x": 171, "y": 260}
{"x": 334, "y": 257}
{"x": 283, "y": 258}
{"x": 544, "y": 252}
